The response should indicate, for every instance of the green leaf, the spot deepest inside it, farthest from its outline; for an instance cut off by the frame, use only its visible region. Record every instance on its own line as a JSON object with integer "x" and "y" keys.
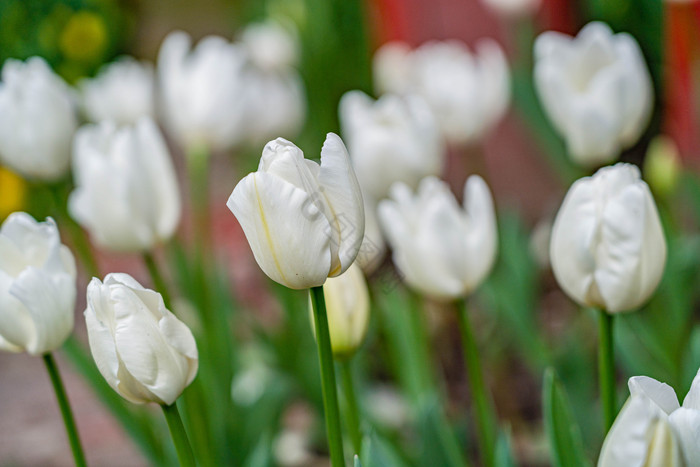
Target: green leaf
{"x": 376, "y": 452}
{"x": 504, "y": 454}
{"x": 563, "y": 433}
{"x": 356, "y": 461}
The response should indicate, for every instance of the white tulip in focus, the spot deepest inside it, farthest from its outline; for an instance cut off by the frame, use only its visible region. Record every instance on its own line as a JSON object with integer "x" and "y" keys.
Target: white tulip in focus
{"x": 201, "y": 92}
{"x": 37, "y": 120}
{"x": 653, "y": 429}
{"x": 513, "y": 8}
{"x": 596, "y": 89}
{"x": 304, "y": 222}
{"x": 123, "y": 91}
{"x": 607, "y": 247}
{"x": 126, "y": 191}
{"x": 143, "y": 351}
{"x": 442, "y": 249}
{"x": 347, "y": 306}
{"x": 392, "y": 139}
{"x": 468, "y": 93}
{"x": 37, "y": 286}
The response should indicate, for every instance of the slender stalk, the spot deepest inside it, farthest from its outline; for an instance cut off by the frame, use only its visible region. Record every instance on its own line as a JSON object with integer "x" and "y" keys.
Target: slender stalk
{"x": 66, "y": 412}
{"x": 485, "y": 413}
{"x": 352, "y": 414}
{"x": 606, "y": 367}
{"x": 177, "y": 431}
{"x": 328, "y": 386}
{"x": 157, "y": 278}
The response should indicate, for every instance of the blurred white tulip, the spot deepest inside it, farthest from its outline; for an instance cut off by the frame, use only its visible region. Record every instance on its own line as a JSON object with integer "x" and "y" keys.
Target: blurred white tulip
{"x": 608, "y": 248}
{"x": 37, "y": 286}
{"x": 143, "y": 351}
{"x": 373, "y": 247}
{"x": 37, "y": 120}
{"x": 304, "y": 222}
{"x": 347, "y": 306}
{"x": 596, "y": 89}
{"x": 392, "y": 139}
{"x": 468, "y": 93}
{"x": 202, "y": 98}
{"x": 122, "y": 91}
{"x": 513, "y": 8}
{"x": 442, "y": 249}
{"x": 126, "y": 191}
{"x": 276, "y": 100}
{"x": 271, "y": 46}
{"x": 653, "y": 429}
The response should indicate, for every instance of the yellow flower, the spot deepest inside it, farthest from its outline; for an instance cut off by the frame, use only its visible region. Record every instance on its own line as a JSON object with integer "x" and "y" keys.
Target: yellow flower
{"x": 12, "y": 192}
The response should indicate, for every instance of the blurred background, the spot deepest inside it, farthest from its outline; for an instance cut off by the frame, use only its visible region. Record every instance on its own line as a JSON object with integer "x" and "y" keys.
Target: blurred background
{"x": 529, "y": 323}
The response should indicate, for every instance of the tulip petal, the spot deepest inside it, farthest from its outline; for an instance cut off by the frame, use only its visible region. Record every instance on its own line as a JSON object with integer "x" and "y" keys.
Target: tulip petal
{"x": 16, "y": 325}
{"x": 342, "y": 192}
{"x": 627, "y": 441}
{"x": 573, "y": 234}
{"x": 49, "y": 300}
{"x": 620, "y": 250}
{"x": 102, "y": 345}
{"x": 659, "y": 393}
{"x": 145, "y": 353}
{"x": 686, "y": 425}
{"x": 482, "y": 237}
{"x": 286, "y": 231}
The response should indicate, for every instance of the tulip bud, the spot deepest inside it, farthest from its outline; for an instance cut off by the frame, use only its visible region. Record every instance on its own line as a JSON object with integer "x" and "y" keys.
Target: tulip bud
{"x": 304, "y": 222}
{"x": 122, "y": 92}
{"x": 468, "y": 93}
{"x": 607, "y": 247}
{"x": 596, "y": 90}
{"x": 443, "y": 250}
{"x": 37, "y": 120}
{"x": 202, "y": 98}
{"x": 390, "y": 140}
{"x": 126, "y": 191}
{"x": 143, "y": 351}
{"x": 662, "y": 165}
{"x": 653, "y": 429}
{"x": 347, "y": 306}
{"x": 271, "y": 46}
{"x": 37, "y": 286}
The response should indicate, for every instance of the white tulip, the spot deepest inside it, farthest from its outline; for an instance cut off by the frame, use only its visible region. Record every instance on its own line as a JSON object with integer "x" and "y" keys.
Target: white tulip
{"x": 607, "y": 247}
{"x": 201, "y": 95}
{"x": 123, "y": 91}
{"x": 37, "y": 120}
{"x": 468, "y": 93}
{"x": 442, "y": 250}
{"x": 373, "y": 247}
{"x": 596, "y": 90}
{"x": 276, "y": 105}
{"x": 390, "y": 140}
{"x": 653, "y": 429}
{"x": 37, "y": 286}
{"x": 126, "y": 191}
{"x": 143, "y": 351}
{"x": 271, "y": 46}
{"x": 304, "y": 222}
{"x": 347, "y": 306}
{"x": 513, "y": 8}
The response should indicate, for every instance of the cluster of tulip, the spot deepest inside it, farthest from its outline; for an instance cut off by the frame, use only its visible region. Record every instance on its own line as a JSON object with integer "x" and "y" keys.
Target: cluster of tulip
{"x": 324, "y": 226}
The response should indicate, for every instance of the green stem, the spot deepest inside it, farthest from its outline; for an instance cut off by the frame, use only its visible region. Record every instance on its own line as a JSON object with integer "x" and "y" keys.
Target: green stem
{"x": 157, "y": 278}
{"x": 66, "y": 412}
{"x": 606, "y": 367}
{"x": 426, "y": 384}
{"x": 198, "y": 172}
{"x": 328, "y": 386}
{"x": 485, "y": 413}
{"x": 177, "y": 431}
{"x": 352, "y": 414}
